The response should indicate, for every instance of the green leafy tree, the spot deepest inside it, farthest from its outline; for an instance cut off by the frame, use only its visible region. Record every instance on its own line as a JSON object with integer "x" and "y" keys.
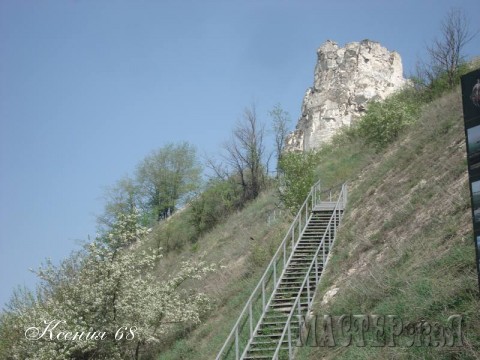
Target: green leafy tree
{"x": 167, "y": 177}
{"x": 298, "y": 176}
{"x": 122, "y": 198}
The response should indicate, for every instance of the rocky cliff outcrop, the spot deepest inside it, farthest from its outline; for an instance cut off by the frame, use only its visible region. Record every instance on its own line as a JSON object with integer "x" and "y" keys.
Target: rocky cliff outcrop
{"x": 346, "y": 79}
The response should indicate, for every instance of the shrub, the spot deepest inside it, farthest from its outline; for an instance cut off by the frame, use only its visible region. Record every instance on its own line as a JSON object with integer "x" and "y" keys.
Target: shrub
{"x": 384, "y": 121}
{"x": 298, "y": 176}
{"x": 219, "y": 199}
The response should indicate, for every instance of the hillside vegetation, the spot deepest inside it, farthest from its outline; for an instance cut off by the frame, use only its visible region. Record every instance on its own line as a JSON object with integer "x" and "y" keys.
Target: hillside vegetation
{"x": 405, "y": 248}
{"x": 406, "y": 245}
{"x": 242, "y": 245}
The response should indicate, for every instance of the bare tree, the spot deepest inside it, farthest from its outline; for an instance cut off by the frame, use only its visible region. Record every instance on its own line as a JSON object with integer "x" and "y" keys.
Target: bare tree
{"x": 446, "y": 52}
{"x": 280, "y": 123}
{"x": 219, "y": 170}
{"x": 245, "y": 153}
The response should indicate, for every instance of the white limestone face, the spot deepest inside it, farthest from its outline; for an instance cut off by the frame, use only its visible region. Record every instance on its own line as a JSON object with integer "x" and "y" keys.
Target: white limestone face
{"x": 345, "y": 80}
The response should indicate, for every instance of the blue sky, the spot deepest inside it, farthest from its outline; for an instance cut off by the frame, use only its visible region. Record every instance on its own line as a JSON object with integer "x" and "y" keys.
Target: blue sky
{"x": 89, "y": 88}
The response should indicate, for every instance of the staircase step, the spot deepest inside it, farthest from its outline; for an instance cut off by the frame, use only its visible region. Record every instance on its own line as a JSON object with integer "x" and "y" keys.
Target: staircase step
{"x": 274, "y": 323}
{"x": 294, "y": 288}
{"x": 298, "y": 277}
{"x": 303, "y": 305}
{"x": 268, "y": 349}
{"x": 279, "y": 327}
{"x": 291, "y": 299}
{"x": 298, "y": 264}
{"x": 269, "y": 336}
{"x": 297, "y": 267}
{"x": 266, "y": 343}
{"x": 290, "y": 286}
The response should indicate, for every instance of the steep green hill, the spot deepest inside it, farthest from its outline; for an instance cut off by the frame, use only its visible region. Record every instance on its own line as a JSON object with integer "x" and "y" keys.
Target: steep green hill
{"x": 406, "y": 245}
{"x": 405, "y": 248}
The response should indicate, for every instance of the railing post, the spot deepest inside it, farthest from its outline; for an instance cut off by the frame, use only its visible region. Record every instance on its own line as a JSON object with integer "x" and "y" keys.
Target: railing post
{"x": 293, "y": 237}
{"x": 263, "y": 294}
{"x": 284, "y": 254}
{"x": 298, "y": 304}
{"x": 290, "y": 340}
{"x": 237, "y": 349}
{"x": 300, "y": 222}
{"x": 335, "y": 213}
{"x": 306, "y": 215}
{"x": 330, "y": 234}
{"x": 308, "y": 290}
{"x": 316, "y": 270}
{"x": 250, "y": 313}
{"x": 275, "y": 273}
{"x": 323, "y": 254}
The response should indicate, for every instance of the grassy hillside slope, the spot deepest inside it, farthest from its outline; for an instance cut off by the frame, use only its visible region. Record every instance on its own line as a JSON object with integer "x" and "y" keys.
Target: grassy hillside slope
{"x": 243, "y": 246}
{"x": 406, "y": 245}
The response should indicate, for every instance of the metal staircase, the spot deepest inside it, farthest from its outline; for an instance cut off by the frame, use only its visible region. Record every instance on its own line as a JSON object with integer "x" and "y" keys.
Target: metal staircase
{"x": 268, "y": 327}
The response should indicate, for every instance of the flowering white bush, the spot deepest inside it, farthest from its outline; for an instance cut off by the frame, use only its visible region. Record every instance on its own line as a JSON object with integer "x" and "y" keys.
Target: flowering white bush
{"x": 104, "y": 302}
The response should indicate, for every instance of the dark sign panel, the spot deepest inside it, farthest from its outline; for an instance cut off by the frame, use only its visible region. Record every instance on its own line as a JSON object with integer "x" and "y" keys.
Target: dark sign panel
{"x": 471, "y": 115}
{"x": 471, "y": 95}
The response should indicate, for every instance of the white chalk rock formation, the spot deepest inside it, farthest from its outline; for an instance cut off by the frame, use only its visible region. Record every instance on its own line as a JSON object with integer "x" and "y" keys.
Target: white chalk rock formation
{"x": 346, "y": 79}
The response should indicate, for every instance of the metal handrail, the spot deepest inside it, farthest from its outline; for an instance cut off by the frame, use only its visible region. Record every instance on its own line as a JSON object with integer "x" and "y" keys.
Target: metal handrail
{"x": 306, "y": 282}
{"x": 233, "y": 338}
{"x": 277, "y": 282}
